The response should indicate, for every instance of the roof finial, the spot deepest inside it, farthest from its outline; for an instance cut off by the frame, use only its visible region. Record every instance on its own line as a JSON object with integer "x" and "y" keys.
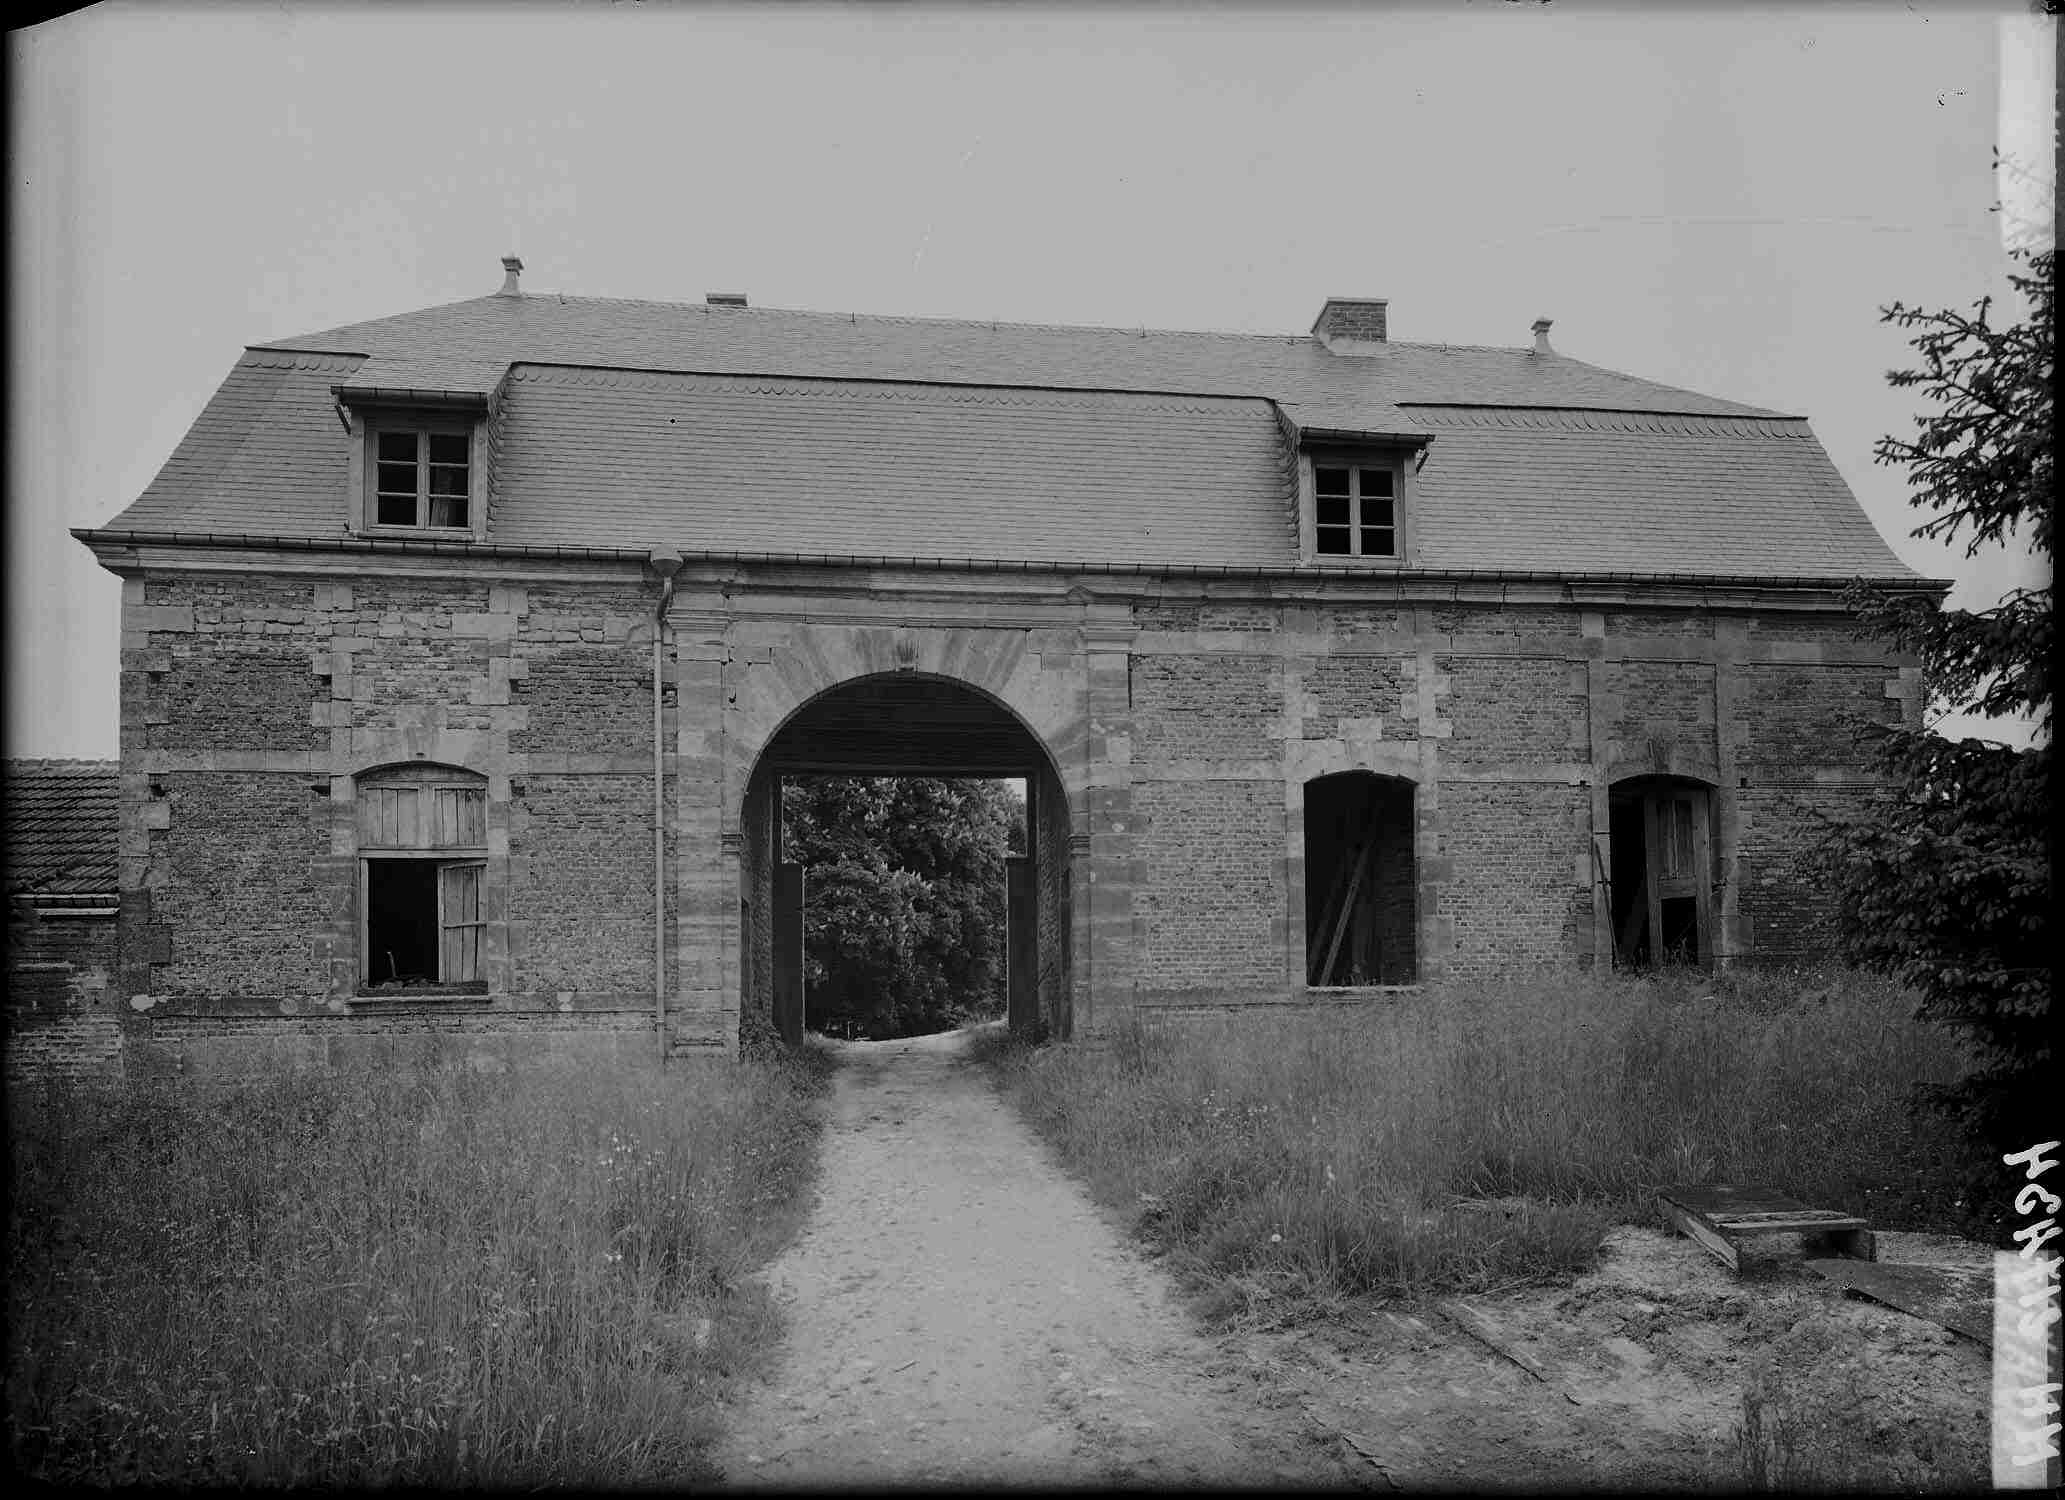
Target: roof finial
{"x": 1541, "y": 336}
{"x": 511, "y": 269}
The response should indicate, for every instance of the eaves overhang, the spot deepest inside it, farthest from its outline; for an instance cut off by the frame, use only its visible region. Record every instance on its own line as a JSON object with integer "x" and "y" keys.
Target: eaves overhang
{"x": 103, "y": 542}
{"x": 410, "y": 396}
{"x": 1304, "y": 424}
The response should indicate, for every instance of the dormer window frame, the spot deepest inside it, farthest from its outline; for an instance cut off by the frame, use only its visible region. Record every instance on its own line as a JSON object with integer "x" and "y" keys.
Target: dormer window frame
{"x": 1398, "y": 461}
{"x": 424, "y": 419}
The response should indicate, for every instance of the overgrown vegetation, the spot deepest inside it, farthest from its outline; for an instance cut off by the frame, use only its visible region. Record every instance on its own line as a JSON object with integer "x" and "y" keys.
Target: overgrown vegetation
{"x": 1949, "y": 888}
{"x": 1478, "y": 1136}
{"x": 430, "y": 1276}
{"x": 903, "y": 916}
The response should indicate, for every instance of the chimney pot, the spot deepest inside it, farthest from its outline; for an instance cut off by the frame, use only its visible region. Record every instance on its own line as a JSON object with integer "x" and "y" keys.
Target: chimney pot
{"x": 1541, "y": 336}
{"x": 1352, "y": 325}
{"x": 725, "y": 299}
{"x": 511, "y": 269}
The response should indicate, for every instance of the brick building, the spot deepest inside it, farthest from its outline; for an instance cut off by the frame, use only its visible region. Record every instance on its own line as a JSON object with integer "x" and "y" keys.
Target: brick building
{"x": 60, "y": 876}
{"x": 464, "y": 650}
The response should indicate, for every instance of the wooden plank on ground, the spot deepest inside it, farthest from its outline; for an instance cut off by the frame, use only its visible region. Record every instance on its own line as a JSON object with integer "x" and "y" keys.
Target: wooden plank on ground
{"x": 1811, "y": 1222}
{"x": 1700, "y": 1232}
{"x": 1481, "y": 1328}
{"x": 1962, "y": 1303}
{"x": 1710, "y": 1199}
{"x": 1717, "y": 1215}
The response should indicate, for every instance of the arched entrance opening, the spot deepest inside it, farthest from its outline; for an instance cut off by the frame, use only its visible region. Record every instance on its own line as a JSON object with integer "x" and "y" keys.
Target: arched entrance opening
{"x": 1661, "y": 836}
{"x": 906, "y": 724}
{"x": 1361, "y": 888}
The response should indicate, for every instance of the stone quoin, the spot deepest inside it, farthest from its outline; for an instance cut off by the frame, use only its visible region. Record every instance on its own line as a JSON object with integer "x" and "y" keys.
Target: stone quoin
{"x": 464, "y": 651}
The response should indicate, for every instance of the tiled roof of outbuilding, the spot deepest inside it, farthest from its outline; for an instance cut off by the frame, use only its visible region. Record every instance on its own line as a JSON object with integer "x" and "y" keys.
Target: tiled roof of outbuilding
{"x": 748, "y": 430}
{"x": 61, "y": 821}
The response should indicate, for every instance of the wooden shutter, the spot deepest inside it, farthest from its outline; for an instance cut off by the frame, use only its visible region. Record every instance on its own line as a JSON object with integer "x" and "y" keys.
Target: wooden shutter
{"x": 459, "y": 921}
{"x": 417, "y": 816}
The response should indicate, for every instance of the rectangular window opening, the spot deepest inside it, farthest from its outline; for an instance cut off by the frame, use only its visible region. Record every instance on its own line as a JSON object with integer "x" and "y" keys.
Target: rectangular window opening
{"x": 423, "y": 926}
{"x": 1361, "y": 882}
{"x": 1355, "y": 511}
{"x": 422, "y": 479}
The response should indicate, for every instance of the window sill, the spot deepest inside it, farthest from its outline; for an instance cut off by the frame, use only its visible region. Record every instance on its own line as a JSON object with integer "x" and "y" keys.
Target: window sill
{"x": 409, "y": 994}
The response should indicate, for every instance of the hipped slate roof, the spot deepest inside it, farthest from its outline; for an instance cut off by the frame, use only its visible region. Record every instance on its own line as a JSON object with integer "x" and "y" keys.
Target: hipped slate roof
{"x": 61, "y": 826}
{"x": 724, "y": 429}
{"x": 878, "y": 467}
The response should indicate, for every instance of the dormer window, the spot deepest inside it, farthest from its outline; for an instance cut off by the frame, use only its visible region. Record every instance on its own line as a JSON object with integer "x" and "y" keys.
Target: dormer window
{"x": 419, "y": 460}
{"x": 422, "y": 477}
{"x": 1355, "y": 510}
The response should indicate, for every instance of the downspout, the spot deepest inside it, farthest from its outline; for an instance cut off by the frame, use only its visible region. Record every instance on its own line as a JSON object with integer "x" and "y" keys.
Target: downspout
{"x": 666, "y": 562}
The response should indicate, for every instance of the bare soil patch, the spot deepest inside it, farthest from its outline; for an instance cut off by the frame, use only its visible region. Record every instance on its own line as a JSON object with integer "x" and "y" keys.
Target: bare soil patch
{"x": 1633, "y": 1376}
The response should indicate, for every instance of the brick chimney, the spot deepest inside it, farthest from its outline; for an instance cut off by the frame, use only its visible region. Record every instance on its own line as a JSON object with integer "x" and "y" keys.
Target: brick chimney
{"x": 1541, "y": 336}
{"x": 1351, "y": 325}
{"x": 511, "y": 269}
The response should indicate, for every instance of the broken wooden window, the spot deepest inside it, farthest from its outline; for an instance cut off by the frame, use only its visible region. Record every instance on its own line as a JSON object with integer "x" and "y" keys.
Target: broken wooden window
{"x": 1662, "y": 877}
{"x": 422, "y": 836}
{"x": 1361, "y": 886}
{"x": 1355, "y": 510}
{"x": 421, "y": 478}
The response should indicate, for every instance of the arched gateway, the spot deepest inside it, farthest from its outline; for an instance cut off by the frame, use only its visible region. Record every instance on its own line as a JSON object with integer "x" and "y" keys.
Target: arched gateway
{"x": 1333, "y": 664}
{"x": 907, "y": 723}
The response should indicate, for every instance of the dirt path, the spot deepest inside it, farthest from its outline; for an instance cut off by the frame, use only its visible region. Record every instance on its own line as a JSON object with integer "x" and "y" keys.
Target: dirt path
{"x": 959, "y": 1312}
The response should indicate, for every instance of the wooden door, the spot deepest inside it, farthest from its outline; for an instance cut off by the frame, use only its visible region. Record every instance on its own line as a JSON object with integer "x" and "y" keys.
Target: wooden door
{"x": 459, "y": 922}
{"x": 1679, "y": 860}
{"x": 1021, "y": 947}
{"x": 788, "y": 952}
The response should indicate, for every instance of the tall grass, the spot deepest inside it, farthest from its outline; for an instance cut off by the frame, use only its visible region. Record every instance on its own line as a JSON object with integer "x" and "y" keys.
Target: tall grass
{"x": 1478, "y": 1135}
{"x": 430, "y": 1275}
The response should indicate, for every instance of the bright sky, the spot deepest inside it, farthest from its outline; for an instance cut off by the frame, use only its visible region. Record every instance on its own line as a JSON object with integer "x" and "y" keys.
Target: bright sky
{"x": 1718, "y": 200}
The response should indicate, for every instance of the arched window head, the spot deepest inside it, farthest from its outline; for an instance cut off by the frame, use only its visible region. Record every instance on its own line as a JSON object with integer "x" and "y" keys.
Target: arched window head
{"x": 420, "y": 807}
{"x": 422, "y": 845}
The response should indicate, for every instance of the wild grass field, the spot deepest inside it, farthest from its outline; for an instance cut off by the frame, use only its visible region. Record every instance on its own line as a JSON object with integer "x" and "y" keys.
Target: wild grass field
{"x": 1476, "y": 1136}
{"x": 427, "y": 1275}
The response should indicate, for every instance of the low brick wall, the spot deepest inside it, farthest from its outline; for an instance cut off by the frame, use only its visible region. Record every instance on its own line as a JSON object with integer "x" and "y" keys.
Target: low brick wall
{"x": 60, "y": 972}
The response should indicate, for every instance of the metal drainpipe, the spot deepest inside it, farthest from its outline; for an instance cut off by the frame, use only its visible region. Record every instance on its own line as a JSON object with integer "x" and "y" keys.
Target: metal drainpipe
{"x": 666, "y": 562}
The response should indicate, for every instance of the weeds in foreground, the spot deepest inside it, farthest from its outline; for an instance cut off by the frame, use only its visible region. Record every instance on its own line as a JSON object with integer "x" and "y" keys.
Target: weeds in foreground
{"x": 431, "y": 1276}
{"x": 1471, "y": 1137}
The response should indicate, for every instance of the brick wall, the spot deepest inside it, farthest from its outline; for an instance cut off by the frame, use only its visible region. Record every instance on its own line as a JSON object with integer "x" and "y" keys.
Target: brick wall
{"x": 1650, "y": 624}
{"x": 1512, "y": 899}
{"x": 581, "y": 890}
{"x": 1210, "y": 902}
{"x": 1055, "y": 895}
{"x": 244, "y": 693}
{"x": 59, "y": 974}
{"x": 1206, "y": 707}
{"x": 1781, "y": 845}
{"x": 756, "y": 874}
{"x": 240, "y": 899}
{"x": 1511, "y": 708}
{"x": 233, "y": 887}
{"x": 585, "y": 698}
{"x": 1794, "y": 716}
{"x": 1477, "y": 620}
{"x": 1357, "y": 687}
{"x": 1662, "y": 697}
{"x": 241, "y": 885}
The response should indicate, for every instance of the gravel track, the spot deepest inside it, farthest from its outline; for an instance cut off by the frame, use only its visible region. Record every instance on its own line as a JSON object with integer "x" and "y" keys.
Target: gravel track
{"x": 960, "y": 1313}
